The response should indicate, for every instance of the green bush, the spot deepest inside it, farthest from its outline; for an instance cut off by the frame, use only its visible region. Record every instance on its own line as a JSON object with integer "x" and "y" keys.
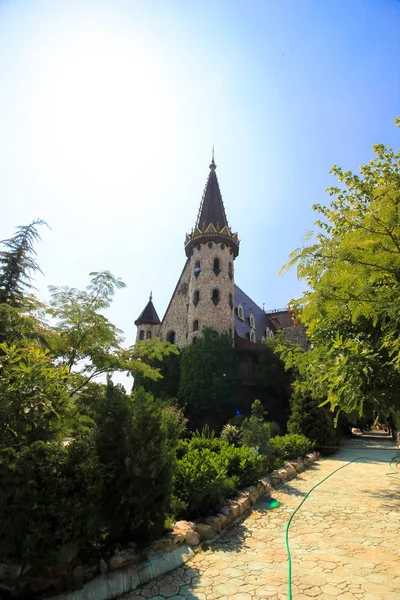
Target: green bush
{"x": 202, "y": 481}
{"x": 291, "y": 446}
{"x": 244, "y": 463}
{"x": 211, "y": 469}
{"x": 50, "y": 497}
{"x": 231, "y": 434}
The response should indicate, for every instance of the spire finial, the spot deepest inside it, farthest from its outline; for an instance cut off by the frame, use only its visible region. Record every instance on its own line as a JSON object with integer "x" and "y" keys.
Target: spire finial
{"x": 151, "y": 296}
{"x": 213, "y": 166}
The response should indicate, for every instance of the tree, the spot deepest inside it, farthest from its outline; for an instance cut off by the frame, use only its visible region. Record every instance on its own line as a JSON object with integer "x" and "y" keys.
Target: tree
{"x": 273, "y": 382}
{"x": 164, "y": 358}
{"x": 255, "y": 430}
{"x": 138, "y": 462}
{"x": 352, "y": 305}
{"x": 17, "y": 263}
{"x": 207, "y": 376}
{"x": 34, "y": 400}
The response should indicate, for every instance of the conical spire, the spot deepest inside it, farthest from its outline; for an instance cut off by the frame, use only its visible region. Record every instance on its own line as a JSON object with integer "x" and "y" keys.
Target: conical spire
{"x": 212, "y": 209}
{"x": 149, "y": 315}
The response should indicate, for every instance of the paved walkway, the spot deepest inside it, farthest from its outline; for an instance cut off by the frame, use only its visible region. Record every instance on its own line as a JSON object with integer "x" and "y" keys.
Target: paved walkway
{"x": 344, "y": 540}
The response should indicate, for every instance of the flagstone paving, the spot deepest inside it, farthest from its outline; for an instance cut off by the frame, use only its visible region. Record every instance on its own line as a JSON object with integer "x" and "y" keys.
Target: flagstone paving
{"x": 344, "y": 540}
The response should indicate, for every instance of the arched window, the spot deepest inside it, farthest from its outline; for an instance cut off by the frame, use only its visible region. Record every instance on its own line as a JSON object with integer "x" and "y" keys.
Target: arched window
{"x": 194, "y": 340}
{"x": 253, "y": 336}
{"x": 216, "y": 267}
{"x": 141, "y": 335}
{"x": 197, "y": 268}
{"x": 195, "y": 325}
{"x": 196, "y": 297}
{"x": 148, "y": 335}
{"x": 230, "y": 270}
{"x": 231, "y": 301}
{"x": 197, "y": 264}
{"x": 171, "y": 337}
{"x": 215, "y": 296}
{"x": 230, "y": 332}
{"x": 215, "y": 335}
{"x": 252, "y": 321}
{"x": 240, "y": 312}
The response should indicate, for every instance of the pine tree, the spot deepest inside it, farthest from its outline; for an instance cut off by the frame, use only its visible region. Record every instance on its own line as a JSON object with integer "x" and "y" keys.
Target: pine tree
{"x": 17, "y": 263}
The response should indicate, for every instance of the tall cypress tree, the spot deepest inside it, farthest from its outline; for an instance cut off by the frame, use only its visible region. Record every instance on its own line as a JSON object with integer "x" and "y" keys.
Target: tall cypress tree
{"x": 17, "y": 263}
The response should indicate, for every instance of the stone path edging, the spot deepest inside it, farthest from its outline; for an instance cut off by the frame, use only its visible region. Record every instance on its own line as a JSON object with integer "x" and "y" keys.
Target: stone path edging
{"x": 184, "y": 539}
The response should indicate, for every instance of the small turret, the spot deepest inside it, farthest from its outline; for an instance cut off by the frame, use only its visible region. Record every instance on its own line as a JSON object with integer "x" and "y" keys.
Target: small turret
{"x": 148, "y": 323}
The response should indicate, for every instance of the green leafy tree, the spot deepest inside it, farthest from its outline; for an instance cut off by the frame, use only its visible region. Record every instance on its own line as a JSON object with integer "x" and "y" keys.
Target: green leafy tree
{"x": 164, "y": 358}
{"x": 207, "y": 380}
{"x": 18, "y": 263}
{"x": 352, "y": 305}
{"x": 34, "y": 399}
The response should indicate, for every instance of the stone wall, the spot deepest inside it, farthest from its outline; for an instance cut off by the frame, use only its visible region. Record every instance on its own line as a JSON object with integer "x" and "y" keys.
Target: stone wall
{"x": 297, "y": 335}
{"x": 175, "y": 318}
{"x": 218, "y": 317}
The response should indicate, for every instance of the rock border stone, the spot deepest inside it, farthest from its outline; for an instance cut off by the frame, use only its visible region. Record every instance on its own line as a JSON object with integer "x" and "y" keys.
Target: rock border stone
{"x": 125, "y": 570}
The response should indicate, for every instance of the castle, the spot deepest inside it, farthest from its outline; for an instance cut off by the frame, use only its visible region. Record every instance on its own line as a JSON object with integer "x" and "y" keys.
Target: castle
{"x": 206, "y": 294}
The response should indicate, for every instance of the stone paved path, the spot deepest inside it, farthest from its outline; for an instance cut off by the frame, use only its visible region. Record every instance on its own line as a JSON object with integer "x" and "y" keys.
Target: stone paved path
{"x": 344, "y": 540}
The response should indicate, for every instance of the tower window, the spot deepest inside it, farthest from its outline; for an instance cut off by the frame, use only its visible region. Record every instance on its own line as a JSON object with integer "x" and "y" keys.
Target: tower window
{"x": 197, "y": 264}
{"x": 230, "y": 270}
{"x": 215, "y": 296}
{"x": 148, "y": 335}
{"x": 197, "y": 268}
{"x": 141, "y": 335}
{"x": 196, "y": 297}
{"x": 171, "y": 337}
{"x": 231, "y": 301}
{"x": 252, "y": 321}
{"x": 216, "y": 268}
{"x": 210, "y": 244}
{"x": 195, "y": 325}
{"x": 240, "y": 312}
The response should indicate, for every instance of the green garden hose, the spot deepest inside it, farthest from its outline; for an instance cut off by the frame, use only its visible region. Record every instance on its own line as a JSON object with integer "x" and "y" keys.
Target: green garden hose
{"x": 394, "y": 474}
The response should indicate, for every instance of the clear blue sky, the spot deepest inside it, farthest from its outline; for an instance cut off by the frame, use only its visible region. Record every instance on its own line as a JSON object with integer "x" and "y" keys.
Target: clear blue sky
{"x": 109, "y": 110}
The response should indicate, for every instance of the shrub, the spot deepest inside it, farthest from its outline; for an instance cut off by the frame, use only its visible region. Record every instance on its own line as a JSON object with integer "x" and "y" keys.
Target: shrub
{"x": 244, "y": 463}
{"x": 291, "y": 446}
{"x": 231, "y": 434}
{"x": 174, "y": 423}
{"x": 201, "y": 480}
{"x": 210, "y": 470}
{"x": 50, "y": 496}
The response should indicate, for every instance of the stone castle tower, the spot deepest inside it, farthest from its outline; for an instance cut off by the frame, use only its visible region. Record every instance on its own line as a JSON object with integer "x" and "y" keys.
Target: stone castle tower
{"x": 206, "y": 294}
{"x": 211, "y": 249}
